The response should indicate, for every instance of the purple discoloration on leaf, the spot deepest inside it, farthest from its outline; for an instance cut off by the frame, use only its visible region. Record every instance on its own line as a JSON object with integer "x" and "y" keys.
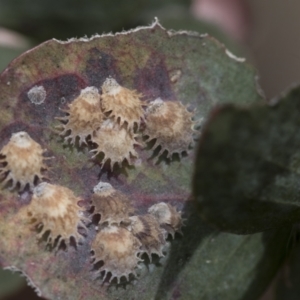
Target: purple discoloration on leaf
{"x": 11, "y": 128}
{"x": 176, "y": 292}
{"x": 65, "y": 87}
{"x": 99, "y": 66}
{"x": 154, "y": 80}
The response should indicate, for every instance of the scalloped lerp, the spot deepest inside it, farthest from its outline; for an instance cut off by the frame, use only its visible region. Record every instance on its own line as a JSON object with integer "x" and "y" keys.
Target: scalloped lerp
{"x": 84, "y": 116}
{"x": 22, "y": 160}
{"x": 121, "y": 104}
{"x": 55, "y": 208}
{"x": 113, "y": 206}
{"x": 171, "y": 125}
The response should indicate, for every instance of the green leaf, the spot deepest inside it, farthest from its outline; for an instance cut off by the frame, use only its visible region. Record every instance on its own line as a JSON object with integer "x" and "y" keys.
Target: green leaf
{"x": 7, "y": 54}
{"x": 9, "y": 283}
{"x": 194, "y": 69}
{"x": 206, "y": 264}
{"x": 247, "y": 168}
{"x": 286, "y": 283}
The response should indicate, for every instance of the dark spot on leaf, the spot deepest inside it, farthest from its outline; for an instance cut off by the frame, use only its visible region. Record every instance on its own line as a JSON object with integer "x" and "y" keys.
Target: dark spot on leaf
{"x": 7, "y": 131}
{"x": 153, "y": 81}
{"x": 66, "y": 86}
{"x": 99, "y": 66}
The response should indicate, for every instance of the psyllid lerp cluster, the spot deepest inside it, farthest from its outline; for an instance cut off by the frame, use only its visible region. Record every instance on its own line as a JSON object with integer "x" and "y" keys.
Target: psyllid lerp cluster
{"x": 111, "y": 122}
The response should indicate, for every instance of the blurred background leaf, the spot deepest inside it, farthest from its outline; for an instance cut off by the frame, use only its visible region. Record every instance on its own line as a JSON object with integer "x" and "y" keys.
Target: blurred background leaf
{"x": 287, "y": 283}
{"x": 7, "y": 54}
{"x": 247, "y": 167}
{"x": 10, "y": 283}
{"x": 43, "y": 20}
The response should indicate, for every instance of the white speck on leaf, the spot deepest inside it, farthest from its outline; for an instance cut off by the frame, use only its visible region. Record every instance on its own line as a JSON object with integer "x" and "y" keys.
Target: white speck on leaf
{"x": 37, "y": 94}
{"x": 232, "y": 56}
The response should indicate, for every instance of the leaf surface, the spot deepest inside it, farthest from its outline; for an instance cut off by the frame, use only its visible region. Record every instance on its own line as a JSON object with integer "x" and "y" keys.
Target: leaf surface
{"x": 194, "y": 69}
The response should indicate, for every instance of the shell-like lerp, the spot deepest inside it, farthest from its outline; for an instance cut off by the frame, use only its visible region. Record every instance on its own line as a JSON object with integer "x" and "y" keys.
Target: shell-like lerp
{"x": 167, "y": 216}
{"x": 113, "y": 206}
{"x": 171, "y": 125}
{"x": 56, "y": 208}
{"x": 115, "y": 142}
{"x": 118, "y": 248}
{"x": 22, "y": 160}
{"x": 84, "y": 116}
{"x": 147, "y": 229}
{"x": 122, "y": 104}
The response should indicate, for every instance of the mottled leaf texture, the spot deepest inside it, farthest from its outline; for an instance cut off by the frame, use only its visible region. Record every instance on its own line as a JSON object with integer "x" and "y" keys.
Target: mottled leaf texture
{"x": 193, "y": 69}
{"x": 247, "y": 168}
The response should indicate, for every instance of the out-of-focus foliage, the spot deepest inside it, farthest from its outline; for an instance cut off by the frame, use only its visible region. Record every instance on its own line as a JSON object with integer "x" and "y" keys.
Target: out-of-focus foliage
{"x": 64, "y": 19}
{"x": 9, "y": 282}
{"x": 7, "y": 54}
{"x": 252, "y": 155}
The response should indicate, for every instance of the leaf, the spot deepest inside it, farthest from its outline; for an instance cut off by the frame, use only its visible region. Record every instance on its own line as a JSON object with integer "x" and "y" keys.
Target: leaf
{"x": 194, "y": 69}
{"x": 247, "y": 167}
{"x": 7, "y": 54}
{"x": 206, "y": 264}
{"x": 178, "y": 17}
{"x": 286, "y": 284}
{"x": 9, "y": 283}
{"x": 202, "y": 264}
